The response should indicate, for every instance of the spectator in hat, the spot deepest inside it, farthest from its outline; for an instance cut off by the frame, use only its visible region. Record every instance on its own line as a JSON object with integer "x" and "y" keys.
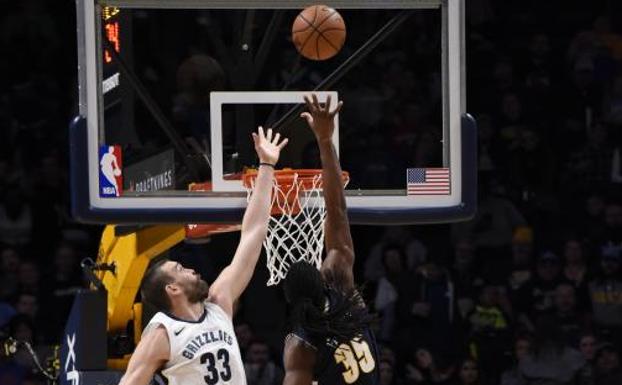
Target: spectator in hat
{"x": 536, "y": 297}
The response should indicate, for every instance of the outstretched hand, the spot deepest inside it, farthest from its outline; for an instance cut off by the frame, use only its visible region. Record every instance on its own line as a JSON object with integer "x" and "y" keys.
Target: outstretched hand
{"x": 268, "y": 147}
{"x": 320, "y": 118}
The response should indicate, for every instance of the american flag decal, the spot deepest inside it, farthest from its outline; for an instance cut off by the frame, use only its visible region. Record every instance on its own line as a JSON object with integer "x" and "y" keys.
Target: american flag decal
{"x": 428, "y": 181}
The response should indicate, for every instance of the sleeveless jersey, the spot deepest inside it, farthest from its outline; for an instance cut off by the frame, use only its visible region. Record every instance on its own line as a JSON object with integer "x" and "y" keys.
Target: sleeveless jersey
{"x": 202, "y": 352}
{"x": 341, "y": 363}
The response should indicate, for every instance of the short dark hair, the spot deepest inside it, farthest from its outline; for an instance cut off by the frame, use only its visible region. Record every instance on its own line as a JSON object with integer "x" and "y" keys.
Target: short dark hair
{"x": 153, "y": 290}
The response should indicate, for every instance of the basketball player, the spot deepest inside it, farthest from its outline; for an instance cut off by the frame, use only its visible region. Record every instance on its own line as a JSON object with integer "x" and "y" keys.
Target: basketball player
{"x": 331, "y": 341}
{"x": 191, "y": 338}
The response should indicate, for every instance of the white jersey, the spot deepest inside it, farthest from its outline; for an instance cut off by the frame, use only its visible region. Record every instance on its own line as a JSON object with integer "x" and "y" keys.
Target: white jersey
{"x": 202, "y": 352}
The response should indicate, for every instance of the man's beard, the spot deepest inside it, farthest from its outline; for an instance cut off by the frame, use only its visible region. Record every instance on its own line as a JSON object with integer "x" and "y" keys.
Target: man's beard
{"x": 197, "y": 291}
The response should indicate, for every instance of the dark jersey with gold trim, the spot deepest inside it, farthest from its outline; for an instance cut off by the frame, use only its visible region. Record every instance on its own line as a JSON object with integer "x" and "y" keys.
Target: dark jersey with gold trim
{"x": 340, "y": 363}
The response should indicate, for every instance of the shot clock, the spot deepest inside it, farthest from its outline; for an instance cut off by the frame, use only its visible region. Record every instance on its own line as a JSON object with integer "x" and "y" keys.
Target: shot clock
{"x": 118, "y": 98}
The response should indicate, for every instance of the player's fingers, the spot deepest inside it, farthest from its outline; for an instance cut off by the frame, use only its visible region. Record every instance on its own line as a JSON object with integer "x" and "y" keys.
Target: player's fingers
{"x": 309, "y": 103}
{"x": 276, "y": 138}
{"x": 255, "y": 138}
{"x": 337, "y": 109}
{"x": 269, "y": 135}
{"x": 283, "y": 143}
{"x": 316, "y": 102}
{"x": 327, "y": 106}
{"x": 307, "y": 116}
{"x": 261, "y": 133}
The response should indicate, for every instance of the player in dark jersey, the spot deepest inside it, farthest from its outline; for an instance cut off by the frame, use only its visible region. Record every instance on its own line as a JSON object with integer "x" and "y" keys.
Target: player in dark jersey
{"x": 331, "y": 341}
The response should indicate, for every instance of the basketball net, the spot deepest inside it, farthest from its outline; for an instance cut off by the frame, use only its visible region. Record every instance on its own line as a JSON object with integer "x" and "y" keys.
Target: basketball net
{"x": 296, "y": 225}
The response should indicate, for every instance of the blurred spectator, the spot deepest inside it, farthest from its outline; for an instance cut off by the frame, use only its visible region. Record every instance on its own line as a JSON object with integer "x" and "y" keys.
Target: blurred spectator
{"x": 490, "y": 324}
{"x": 613, "y": 103}
{"x": 29, "y": 278}
{"x": 565, "y": 313}
{"x": 424, "y": 370}
{"x": 587, "y": 346}
{"x": 11, "y": 373}
{"x": 606, "y": 296}
{"x": 522, "y": 258}
{"x": 550, "y": 361}
{"x": 464, "y": 275}
{"x": 589, "y": 167}
{"x": 16, "y": 218}
{"x": 607, "y": 365}
{"x": 536, "y": 297}
{"x": 492, "y": 228}
{"x": 387, "y": 291}
{"x": 6, "y": 313}
{"x": 415, "y": 250}
{"x": 259, "y": 367}
{"x": 512, "y": 376}
{"x": 610, "y": 240}
{"x": 488, "y": 150}
{"x": 245, "y": 336}
{"x": 27, "y": 304}
{"x": 576, "y": 270}
{"x": 22, "y": 329}
{"x": 62, "y": 283}
{"x": 428, "y": 314}
{"x": 468, "y": 373}
{"x": 9, "y": 266}
{"x": 591, "y": 222}
{"x": 387, "y": 373}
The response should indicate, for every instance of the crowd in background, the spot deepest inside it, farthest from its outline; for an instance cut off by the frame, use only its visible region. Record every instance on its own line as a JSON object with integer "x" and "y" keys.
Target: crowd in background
{"x": 529, "y": 291}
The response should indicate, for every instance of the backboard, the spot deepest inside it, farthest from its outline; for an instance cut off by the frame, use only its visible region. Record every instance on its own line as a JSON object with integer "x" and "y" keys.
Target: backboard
{"x": 170, "y": 92}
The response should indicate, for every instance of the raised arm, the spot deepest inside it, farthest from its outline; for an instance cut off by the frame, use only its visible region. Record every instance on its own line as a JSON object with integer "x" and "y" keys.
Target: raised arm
{"x": 338, "y": 240}
{"x": 234, "y": 278}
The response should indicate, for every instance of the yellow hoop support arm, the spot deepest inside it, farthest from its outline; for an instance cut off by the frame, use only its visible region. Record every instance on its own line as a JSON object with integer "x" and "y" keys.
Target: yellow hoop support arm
{"x": 131, "y": 254}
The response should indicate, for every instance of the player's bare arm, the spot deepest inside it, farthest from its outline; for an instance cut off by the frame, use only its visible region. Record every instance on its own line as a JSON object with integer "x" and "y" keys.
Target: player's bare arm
{"x": 299, "y": 362}
{"x": 339, "y": 247}
{"x": 150, "y": 355}
{"x": 234, "y": 278}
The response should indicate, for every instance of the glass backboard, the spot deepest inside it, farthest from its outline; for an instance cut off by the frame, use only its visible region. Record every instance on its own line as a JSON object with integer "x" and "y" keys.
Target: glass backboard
{"x": 170, "y": 92}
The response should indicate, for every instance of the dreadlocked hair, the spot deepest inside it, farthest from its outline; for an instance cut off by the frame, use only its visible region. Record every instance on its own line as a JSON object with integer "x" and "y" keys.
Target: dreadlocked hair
{"x": 306, "y": 290}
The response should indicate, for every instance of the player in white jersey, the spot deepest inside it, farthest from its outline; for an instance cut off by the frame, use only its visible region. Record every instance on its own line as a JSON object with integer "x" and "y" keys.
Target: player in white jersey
{"x": 191, "y": 339}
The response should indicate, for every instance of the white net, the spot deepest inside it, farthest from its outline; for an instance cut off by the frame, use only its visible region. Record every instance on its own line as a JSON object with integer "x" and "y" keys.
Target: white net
{"x": 298, "y": 233}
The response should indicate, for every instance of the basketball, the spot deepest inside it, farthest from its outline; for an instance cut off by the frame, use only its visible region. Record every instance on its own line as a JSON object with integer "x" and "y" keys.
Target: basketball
{"x": 117, "y": 172}
{"x": 318, "y": 32}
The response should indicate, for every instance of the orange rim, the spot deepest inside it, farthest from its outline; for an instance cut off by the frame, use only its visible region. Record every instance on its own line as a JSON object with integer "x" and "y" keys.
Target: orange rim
{"x": 285, "y": 178}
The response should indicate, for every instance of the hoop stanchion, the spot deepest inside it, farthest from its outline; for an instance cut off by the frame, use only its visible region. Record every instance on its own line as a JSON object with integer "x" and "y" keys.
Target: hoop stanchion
{"x": 296, "y": 226}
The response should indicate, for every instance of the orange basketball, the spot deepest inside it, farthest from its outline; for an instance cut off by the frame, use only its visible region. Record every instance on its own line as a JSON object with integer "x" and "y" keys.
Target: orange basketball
{"x": 318, "y": 32}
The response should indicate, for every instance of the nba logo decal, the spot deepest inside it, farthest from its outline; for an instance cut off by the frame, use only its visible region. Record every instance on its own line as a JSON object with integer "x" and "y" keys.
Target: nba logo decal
{"x": 110, "y": 174}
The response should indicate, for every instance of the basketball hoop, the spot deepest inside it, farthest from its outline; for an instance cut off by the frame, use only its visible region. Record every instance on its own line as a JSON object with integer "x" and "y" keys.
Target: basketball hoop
{"x": 296, "y": 226}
